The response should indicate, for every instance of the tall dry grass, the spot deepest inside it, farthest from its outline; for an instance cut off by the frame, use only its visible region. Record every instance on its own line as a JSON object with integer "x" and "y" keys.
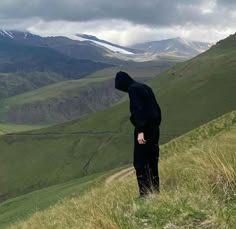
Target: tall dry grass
{"x": 198, "y": 190}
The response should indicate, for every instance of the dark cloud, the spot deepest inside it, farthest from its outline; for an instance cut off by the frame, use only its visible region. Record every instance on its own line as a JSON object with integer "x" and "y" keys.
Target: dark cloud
{"x": 226, "y": 3}
{"x": 148, "y": 12}
{"x": 122, "y": 21}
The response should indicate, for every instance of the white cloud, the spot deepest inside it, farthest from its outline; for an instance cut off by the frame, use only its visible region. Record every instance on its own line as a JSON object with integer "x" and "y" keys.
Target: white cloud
{"x": 126, "y": 33}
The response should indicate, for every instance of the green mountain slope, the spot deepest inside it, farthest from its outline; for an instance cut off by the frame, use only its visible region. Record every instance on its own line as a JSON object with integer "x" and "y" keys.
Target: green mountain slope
{"x": 69, "y": 99}
{"x": 59, "y": 102}
{"x": 190, "y": 197}
{"x": 25, "y": 205}
{"x": 190, "y": 94}
{"x": 12, "y": 84}
{"x": 6, "y": 128}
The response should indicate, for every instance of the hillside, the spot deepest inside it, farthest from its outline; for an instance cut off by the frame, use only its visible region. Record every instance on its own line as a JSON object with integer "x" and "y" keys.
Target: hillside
{"x": 68, "y": 99}
{"x": 6, "y": 128}
{"x": 23, "y": 206}
{"x": 190, "y": 197}
{"x": 59, "y": 102}
{"x": 188, "y": 95}
{"x": 12, "y": 84}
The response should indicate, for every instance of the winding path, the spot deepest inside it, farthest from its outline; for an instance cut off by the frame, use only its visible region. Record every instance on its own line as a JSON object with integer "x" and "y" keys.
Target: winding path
{"x": 120, "y": 175}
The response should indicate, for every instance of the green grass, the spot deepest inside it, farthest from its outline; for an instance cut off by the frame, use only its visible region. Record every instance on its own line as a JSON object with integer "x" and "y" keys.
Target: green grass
{"x": 6, "y": 128}
{"x": 197, "y": 190}
{"x": 137, "y": 71}
{"x": 45, "y": 101}
{"x": 12, "y": 84}
{"x": 51, "y": 91}
{"x": 196, "y": 136}
{"x": 23, "y": 206}
{"x": 56, "y": 161}
{"x": 60, "y": 88}
{"x": 190, "y": 94}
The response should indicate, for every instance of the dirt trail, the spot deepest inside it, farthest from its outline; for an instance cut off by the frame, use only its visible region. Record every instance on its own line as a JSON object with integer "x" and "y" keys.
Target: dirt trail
{"x": 120, "y": 175}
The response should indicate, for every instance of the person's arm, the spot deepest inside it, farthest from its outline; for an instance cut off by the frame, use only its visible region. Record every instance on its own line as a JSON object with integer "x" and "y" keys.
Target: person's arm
{"x": 137, "y": 108}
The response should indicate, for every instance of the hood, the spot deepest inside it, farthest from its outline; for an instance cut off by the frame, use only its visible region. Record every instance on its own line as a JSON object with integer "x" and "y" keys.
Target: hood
{"x": 123, "y": 81}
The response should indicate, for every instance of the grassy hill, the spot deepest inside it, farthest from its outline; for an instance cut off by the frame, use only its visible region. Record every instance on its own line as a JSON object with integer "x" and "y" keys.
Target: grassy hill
{"x": 6, "y": 128}
{"x": 141, "y": 70}
{"x": 198, "y": 181}
{"x": 59, "y": 102}
{"x": 21, "y": 207}
{"x": 190, "y": 94}
{"x": 12, "y": 84}
{"x": 69, "y": 99}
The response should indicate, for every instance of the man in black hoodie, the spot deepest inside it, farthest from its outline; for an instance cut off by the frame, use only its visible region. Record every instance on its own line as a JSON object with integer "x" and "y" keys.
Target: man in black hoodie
{"x": 146, "y": 118}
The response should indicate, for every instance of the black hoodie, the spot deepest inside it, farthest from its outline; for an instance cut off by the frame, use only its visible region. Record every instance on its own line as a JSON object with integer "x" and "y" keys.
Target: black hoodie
{"x": 143, "y": 105}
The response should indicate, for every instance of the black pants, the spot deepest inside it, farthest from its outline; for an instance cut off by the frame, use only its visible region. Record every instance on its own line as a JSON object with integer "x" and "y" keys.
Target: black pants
{"x": 145, "y": 160}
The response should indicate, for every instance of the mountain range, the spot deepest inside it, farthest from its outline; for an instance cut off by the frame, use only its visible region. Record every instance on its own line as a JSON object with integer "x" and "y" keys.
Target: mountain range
{"x": 83, "y": 46}
{"x": 30, "y": 54}
{"x": 175, "y": 46}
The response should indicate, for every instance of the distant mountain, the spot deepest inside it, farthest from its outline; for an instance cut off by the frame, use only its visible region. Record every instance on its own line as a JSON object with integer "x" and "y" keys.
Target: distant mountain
{"x": 22, "y": 52}
{"x": 109, "y": 45}
{"x": 23, "y": 38}
{"x": 79, "y": 48}
{"x": 83, "y": 46}
{"x": 175, "y": 46}
{"x": 89, "y": 47}
{"x": 31, "y": 39}
{"x": 116, "y": 54}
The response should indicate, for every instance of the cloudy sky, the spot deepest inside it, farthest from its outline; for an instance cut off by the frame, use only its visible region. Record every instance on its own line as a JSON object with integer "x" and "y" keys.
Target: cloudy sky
{"x": 124, "y": 21}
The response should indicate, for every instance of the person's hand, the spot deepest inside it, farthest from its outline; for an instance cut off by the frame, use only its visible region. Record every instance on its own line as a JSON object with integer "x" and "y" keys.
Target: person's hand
{"x": 141, "y": 139}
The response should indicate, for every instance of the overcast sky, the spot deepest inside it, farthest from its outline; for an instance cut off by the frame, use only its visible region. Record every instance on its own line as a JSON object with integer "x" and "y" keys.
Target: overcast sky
{"x": 123, "y": 21}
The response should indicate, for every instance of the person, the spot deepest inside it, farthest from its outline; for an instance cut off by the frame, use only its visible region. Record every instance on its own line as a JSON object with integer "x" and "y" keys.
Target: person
{"x": 146, "y": 119}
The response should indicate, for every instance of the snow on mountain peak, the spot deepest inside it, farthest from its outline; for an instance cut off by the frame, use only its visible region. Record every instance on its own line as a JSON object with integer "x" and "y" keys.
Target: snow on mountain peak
{"x": 25, "y": 35}
{"x": 6, "y": 33}
{"x": 79, "y": 37}
{"x": 184, "y": 41}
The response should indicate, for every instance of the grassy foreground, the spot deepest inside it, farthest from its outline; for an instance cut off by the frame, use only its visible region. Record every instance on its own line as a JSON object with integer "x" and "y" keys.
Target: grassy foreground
{"x": 198, "y": 183}
{"x": 25, "y": 205}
